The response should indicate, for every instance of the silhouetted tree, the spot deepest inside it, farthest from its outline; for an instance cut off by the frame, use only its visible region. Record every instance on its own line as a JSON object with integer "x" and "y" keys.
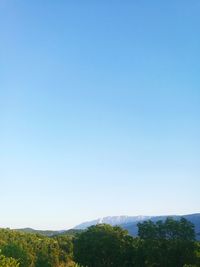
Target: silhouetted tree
{"x": 104, "y": 246}
{"x": 168, "y": 243}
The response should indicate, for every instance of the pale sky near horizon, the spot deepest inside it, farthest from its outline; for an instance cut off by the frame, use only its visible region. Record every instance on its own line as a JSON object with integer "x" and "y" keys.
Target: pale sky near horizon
{"x": 99, "y": 110}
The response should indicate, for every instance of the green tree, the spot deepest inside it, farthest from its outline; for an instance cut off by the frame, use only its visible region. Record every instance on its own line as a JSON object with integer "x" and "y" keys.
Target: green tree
{"x": 168, "y": 243}
{"x": 17, "y": 252}
{"x": 35, "y": 250}
{"x": 104, "y": 246}
{"x": 8, "y": 262}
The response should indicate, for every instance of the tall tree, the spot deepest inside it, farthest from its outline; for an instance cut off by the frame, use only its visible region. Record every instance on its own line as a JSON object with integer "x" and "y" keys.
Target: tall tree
{"x": 104, "y": 246}
{"x": 168, "y": 243}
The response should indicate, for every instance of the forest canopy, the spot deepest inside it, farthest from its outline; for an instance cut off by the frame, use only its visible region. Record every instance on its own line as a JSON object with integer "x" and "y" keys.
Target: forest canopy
{"x": 159, "y": 244}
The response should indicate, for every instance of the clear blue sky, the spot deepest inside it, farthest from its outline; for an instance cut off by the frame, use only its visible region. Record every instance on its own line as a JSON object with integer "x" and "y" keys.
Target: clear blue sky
{"x": 99, "y": 110}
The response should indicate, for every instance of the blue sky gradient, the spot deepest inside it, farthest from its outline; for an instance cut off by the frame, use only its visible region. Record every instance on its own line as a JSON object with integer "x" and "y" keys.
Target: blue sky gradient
{"x": 99, "y": 110}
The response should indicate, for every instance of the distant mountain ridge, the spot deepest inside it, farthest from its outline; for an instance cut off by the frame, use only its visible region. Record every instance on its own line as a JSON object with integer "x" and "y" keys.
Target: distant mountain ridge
{"x": 41, "y": 232}
{"x": 130, "y": 222}
{"x": 113, "y": 220}
{"x": 49, "y": 233}
{"x": 126, "y": 222}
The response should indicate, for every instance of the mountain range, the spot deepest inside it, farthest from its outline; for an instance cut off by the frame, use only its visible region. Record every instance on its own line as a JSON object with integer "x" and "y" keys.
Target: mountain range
{"x": 130, "y": 222}
{"x": 126, "y": 222}
{"x": 113, "y": 220}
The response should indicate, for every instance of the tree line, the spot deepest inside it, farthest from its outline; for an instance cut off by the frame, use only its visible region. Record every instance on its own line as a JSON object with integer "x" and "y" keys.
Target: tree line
{"x": 168, "y": 243}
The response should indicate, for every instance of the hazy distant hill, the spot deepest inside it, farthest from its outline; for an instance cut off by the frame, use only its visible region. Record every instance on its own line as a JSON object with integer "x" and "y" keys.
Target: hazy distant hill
{"x": 127, "y": 222}
{"x": 49, "y": 233}
{"x": 130, "y": 222}
{"x": 41, "y": 232}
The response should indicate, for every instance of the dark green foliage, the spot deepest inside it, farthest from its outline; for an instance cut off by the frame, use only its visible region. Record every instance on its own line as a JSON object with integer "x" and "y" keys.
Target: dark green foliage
{"x": 162, "y": 244}
{"x": 16, "y": 251}
{"x": 169, "y": 243}
{"x": 104, "y": 245}
{"x": 170, "y": 229}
